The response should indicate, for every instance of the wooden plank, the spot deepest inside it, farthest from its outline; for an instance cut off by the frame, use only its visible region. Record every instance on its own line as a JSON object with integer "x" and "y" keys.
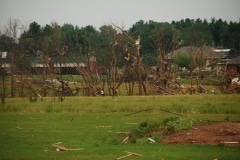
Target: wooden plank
{"x": 128, "y": 155}
{"x": 136, "y": 154}
{"x": 230, "y": 142}
{"x": 123, "y": 132}
{"x": 125, "y": 139}
{"x": 62, "y": 148}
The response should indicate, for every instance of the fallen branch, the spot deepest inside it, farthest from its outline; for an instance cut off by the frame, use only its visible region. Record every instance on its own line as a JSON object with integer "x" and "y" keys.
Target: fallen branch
{"x": 152, "y": 140}
{"x": 125, "y": 140}
{"x": 123, "y": 132}
{"x": 230, "y": 142}
{"x": 135, "y": 154}
{"x": 62, "y": 148}
{"x": 129, "y": 154}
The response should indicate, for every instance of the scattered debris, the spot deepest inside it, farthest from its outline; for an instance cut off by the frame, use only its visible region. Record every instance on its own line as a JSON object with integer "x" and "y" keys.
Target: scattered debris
{"x": 125, "y": 140}
{"x": 62, "y": 148}
{"x": 127, "y": 132}
{"x": 151, "y": 140}
{"x": 228, "y": 143}
{"x": 129, "y": 154}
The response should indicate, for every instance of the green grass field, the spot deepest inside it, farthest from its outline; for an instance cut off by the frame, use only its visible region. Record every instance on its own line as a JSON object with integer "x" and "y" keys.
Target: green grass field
{"x": 28, "y": 129}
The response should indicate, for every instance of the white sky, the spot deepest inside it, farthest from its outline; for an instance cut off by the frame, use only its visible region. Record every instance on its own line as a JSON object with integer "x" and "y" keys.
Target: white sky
{"x": 120, "y": 12}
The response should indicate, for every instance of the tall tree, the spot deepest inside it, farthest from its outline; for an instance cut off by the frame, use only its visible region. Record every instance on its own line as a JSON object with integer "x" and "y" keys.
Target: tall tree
{"x": 164, "y": 39}
{"x": 47, "y": 40}
{"x": 218, "y": 30}
{"x": 195, "y": 32}
{"x": 232, "y": 37}
{"x": 34, "y": 34}
{"x": 6, "y": 43}
{"x": 182, "y": 60}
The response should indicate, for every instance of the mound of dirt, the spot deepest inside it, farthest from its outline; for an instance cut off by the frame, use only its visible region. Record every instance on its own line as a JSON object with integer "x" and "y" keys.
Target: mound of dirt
{"x": 210, "y": 133}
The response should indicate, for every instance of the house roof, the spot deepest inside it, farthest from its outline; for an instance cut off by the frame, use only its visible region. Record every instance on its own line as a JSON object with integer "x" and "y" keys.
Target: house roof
{"x": 234, "y": 61}
{"x": 68, "y": 59}
{"x": 5, "y": 58}
{"x": 232, "y": 55}
{"x": 207, "y": 51}
{"x": 36, "y": 61}
{"x": 40, "y": 65}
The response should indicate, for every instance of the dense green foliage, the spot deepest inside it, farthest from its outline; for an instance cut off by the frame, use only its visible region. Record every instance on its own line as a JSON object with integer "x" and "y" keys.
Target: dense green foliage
{"x": 182, "y": 60}
{"x": 51, "y": 38}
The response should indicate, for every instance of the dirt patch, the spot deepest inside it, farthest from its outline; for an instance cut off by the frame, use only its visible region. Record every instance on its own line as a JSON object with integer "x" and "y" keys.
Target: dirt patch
{"x": 210, "y": 133}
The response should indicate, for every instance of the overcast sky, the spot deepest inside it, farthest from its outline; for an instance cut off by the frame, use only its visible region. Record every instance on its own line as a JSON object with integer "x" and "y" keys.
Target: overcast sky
{"x": 120, "y": 12}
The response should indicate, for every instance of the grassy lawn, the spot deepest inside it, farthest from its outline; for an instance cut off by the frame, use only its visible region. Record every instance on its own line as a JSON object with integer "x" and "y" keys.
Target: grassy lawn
{"x": 28, "y": 130}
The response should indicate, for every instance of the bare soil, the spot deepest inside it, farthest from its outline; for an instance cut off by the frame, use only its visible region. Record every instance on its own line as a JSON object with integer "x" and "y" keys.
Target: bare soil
{"x": 209, "y": 133}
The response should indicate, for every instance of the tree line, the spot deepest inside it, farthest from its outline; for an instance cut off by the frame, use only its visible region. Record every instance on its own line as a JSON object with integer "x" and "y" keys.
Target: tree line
{"x": 84, "y": 41}
{"x": 134, "y": 50}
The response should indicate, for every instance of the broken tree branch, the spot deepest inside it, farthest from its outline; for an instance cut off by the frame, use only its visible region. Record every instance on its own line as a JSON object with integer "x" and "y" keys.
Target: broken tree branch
{"x": 129, "y": 154}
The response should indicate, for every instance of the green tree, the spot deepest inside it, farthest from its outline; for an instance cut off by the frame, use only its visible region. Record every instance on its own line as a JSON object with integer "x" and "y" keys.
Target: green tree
{"x": 34, "y": 35}
{"x": 90, "y": 35}
{"x": 47, "y": 40}
{"x": 6, "y": 43}
{"x": 144, "y": 30}
{"x": 218, "y": 29}
{"x": 232, "y": 37}
{"x": 182, "y": 60}
{"x": 195, "y": 32}
{"x": 164, "y": 39}
{"x": 69, "y": 37}
{"x": 106, "y": 39}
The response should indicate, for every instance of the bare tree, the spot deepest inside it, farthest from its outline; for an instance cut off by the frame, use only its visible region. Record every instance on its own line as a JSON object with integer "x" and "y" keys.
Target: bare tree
{"x": 164, "y": 41}
{"x": 3, "y": 84}
{"x": 12, "y": 29}
{"x": 137, "y": 63}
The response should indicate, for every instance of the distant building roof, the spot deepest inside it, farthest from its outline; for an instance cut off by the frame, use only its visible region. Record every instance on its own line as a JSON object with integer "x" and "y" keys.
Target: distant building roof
{"x": 207, "y": 51}
{"x": 232, "y": 55}
{"x": 234, "y": 61}
{"x": 40, "y": 65}
{"x": 36, "y": 61}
